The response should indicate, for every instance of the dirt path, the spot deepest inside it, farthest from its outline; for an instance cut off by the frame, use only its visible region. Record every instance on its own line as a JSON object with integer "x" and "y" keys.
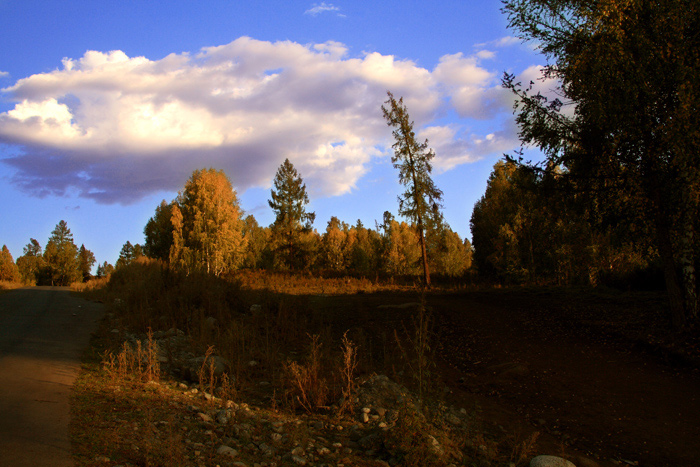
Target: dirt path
{"x": 43, "y": 331}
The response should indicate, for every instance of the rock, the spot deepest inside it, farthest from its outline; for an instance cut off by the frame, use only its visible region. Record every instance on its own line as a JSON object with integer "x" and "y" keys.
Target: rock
{"x": 435, "y": 446}
{"x": 298, "y": 460}
{"x": 453, "y": 419}
{"x": 204, "y": 417}
{"x": 254, "y": 309}
{"x": 550, "y": 461}
{"x": 227, "y": 451}
{"x": 266, "y": 449}
{"x": 223, "y": 416}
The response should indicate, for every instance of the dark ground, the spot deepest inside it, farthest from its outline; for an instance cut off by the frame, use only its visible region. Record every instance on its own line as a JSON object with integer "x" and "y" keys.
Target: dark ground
{"x": 598, "y": 374}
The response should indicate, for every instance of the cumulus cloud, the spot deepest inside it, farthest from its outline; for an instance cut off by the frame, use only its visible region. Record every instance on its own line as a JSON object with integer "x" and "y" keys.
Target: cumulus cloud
{"x": 323, "y": 8}
{"x": 452, "y": 147}
{"x": 475, "y": 91}
{"x": 116, "y": 128}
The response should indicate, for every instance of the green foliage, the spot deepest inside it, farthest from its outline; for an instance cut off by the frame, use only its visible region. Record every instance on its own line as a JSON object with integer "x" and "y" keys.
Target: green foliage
{"x": 631, "y": 69}
{"x": 525, "y": 230}
{"x": 257, "y": 240}
{"x": 292, "y": 247}
{"x": 86, "y": 259}
{"x": 421, "y": 198}
{"x": 159, "y": 233}
{"x": 61, "y": 257}
{"x": 104, "y": 270}
{"x": 31, "y": 263}
{"x": 128, "y": 254}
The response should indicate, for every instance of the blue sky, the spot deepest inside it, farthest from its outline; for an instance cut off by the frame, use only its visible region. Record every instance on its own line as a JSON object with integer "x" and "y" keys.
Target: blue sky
{"x": 107, "y": 107}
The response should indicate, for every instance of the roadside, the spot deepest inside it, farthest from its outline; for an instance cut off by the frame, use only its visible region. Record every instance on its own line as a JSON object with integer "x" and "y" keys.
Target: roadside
{"x": 43, "y": 331}
{"x": 594, "y": 377}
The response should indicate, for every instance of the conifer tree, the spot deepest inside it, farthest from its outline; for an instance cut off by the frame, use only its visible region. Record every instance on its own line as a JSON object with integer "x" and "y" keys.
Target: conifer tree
{"x": 412, "y": 159}
{"x": 86, "y": 259}
{"x": 288, "y": 201}
{"x": 61, "y": 256}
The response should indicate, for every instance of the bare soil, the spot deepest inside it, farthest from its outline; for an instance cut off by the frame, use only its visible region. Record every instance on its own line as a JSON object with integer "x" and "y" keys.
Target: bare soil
{"x": 599, "y": 375}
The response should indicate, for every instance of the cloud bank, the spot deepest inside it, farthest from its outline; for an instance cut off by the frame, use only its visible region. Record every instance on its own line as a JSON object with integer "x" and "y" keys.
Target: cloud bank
{"x": 115, "y": 128}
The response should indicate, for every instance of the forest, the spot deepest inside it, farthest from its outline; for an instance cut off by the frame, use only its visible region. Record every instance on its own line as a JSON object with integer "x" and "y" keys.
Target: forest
{"x": 613, "y": 203}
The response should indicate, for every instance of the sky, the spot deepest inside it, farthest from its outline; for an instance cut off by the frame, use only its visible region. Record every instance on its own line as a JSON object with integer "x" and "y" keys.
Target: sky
{"x": 106, "y": 108}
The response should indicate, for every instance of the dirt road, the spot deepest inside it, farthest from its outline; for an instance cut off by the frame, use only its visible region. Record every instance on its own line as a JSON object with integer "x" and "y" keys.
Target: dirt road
{"x": 43, "y": 331}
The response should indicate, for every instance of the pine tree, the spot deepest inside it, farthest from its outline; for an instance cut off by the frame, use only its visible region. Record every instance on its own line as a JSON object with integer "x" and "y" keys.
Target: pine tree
{"x": 412, "y": 159}
{"x": 61, "y": 256}
{"x": 289, "y": 200}
{"x": 86, "y": 259}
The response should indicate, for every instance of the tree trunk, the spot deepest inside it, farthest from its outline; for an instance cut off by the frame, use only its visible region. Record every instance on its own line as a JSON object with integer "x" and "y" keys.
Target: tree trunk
{"x": 687, "y": 262}
{"x": 424, "y": 254}
{"x": 673, "y": 285}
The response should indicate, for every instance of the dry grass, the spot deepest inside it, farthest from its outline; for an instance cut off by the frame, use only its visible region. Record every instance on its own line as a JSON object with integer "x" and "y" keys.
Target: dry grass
{"x": 266, "y": 318}
{"x": 91, "y": 286}
{"x": 9, "y": 285}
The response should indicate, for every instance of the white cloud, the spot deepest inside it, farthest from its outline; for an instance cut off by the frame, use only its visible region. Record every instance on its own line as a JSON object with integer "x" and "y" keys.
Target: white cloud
{"x": 475, "y": 91}
{"x": 453, "y": 149}
{"x": 4, "y": 74}
{"x": 117, "y": 128}
{"x": 323, "y": 8}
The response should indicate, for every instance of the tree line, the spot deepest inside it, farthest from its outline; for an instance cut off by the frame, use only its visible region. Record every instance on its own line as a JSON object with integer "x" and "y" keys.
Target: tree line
{"x": 615, "y": 201}
{"x": 61, "y": 263}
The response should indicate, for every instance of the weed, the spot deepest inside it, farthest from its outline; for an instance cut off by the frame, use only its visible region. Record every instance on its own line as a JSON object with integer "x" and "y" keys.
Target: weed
{"x": 134, "y": 363}
{"x": 347, "y": 373}
{"x": 524, "y": 450}
{"x": 206, "y": 372}
{"x": 307, "y": 388}
{"x": 415, "y": 348}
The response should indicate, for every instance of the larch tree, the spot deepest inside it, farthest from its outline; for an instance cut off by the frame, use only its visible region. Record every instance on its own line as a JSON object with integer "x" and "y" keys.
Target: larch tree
{"x": 207, "y": 225}
{"x": 292, "y": 221}
{"x": 631, "y": 70}
{"x": 8, "y": 269}
{"x": 421, "y": 198}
